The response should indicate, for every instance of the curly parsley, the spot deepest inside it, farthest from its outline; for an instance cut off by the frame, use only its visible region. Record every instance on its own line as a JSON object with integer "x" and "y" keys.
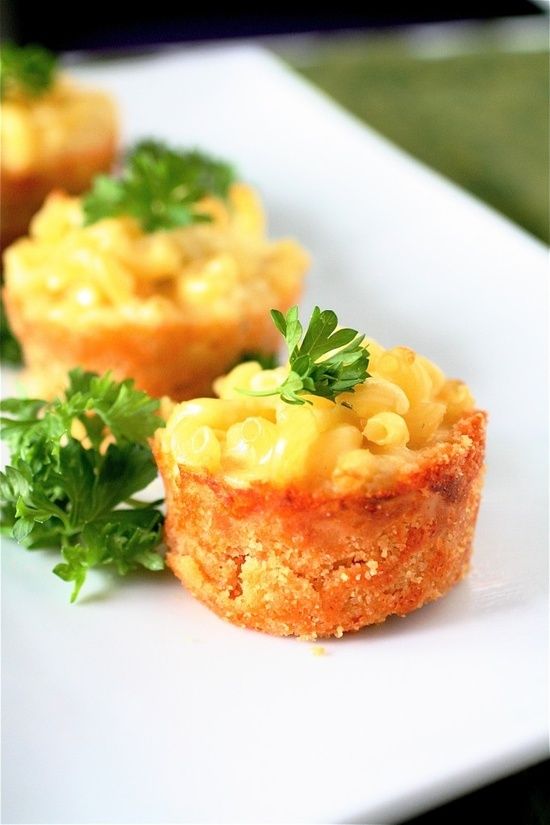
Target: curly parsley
{"x": 27, "y": 70}
{"x": 313, "y": 371}
{"x": 64, "y": 492}
{"x": 159, "y": 186}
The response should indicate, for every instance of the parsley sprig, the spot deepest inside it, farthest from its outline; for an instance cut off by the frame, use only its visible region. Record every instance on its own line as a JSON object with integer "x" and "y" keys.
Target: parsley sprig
{"x": 27, "y": 70}
{"x": 313, "y": 371}
{"x": 63, "y": 492}
{"x": 159, "y": 186}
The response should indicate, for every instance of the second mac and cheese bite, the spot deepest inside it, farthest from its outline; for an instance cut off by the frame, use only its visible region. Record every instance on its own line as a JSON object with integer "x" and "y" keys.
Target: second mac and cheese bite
{"x": 310, "y": 514}
{"x": 164, "y": 276}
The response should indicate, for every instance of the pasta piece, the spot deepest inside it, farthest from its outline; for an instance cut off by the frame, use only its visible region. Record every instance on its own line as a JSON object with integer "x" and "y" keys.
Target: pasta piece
{"x": 213, "y": 412}
{"x": 297, "y": 436}
{"x": 250, "y": 443}
{"x": 375, "y": 351}
{"x": 387, "y": 429}
{"x": 457, "y": 398}
{"x": 353, "y": 469}
{"x": 267, "y": 379}
{"x": 423, "y": 421}
{"x": 330, "y": 445}
{"x": 376, "y": 395}
{"x": 437, "y": 376}
{"x": 401, "y": 366}
{"x": 228, "y": 386}
{"x": 196, "y": 447}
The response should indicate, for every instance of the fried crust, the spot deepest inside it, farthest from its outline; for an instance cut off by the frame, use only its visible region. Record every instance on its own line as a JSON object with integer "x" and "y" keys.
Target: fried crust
{"x": 314, "y": 564}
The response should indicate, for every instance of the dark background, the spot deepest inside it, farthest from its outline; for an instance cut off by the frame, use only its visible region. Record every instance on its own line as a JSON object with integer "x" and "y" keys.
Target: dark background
{"x": 105, "y": 24}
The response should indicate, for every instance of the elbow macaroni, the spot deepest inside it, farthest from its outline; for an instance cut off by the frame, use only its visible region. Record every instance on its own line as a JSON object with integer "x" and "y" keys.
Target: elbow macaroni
{"x": 212, "y": 271}
{"x": 387, "y": 429}
{"x": 405, "y": 405}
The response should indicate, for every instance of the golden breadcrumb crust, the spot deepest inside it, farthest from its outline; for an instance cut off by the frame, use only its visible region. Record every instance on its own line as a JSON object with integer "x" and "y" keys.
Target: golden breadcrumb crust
{"x": 312, "y": 564}
{"x": 178, "y": 357}
{"x": 24, "y": 193}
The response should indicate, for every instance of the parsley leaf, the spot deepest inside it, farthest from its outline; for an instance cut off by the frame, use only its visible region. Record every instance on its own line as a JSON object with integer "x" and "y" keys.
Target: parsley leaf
{"x": 159, "y": 186}
{"x": 64, "y": 492}
{"x": 266, "y": 360}
{"x": 29, "y": 70}
{"x": 10, "y": 351}
{"x": 325, "y": 362}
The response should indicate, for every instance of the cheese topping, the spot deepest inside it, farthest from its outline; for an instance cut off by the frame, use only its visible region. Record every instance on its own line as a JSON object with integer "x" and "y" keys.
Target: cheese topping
{"x": 369, "y": 435}
{"x": 112, "y": 268}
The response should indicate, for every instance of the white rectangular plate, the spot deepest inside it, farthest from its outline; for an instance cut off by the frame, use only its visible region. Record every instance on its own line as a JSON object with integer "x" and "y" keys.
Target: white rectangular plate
{"x": 138, "y": 705}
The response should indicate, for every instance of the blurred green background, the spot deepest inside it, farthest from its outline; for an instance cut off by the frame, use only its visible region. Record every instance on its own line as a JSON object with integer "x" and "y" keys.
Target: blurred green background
{"x": 480, "y": 117}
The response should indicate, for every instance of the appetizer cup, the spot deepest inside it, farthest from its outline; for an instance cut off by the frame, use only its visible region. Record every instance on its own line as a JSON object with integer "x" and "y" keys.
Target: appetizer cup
{"x": 60, "y": 134}
{"x": 318, "y": 519}
{"x": 171, "y": 308}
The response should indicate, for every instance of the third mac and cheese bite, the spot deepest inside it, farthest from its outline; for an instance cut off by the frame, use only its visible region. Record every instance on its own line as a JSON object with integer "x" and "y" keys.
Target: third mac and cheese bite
{"x": 55, "y": 133}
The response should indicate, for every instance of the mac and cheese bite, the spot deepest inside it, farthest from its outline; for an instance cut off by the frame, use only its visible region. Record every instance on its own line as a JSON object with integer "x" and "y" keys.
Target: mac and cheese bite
{"x": 324, "y": 517}
{"x": 172, "y": 308}
{"x": 54, "y": 133}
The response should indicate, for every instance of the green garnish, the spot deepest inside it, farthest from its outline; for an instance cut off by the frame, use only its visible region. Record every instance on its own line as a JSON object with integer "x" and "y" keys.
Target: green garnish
{"x": 266, "y": 360}
{"x": 311, "y": 373}
{"x": 10, "y": 351}
{"x": 61, "y": 493}
{"x": 29, "y": 70}
{"x": 158, "y": 186}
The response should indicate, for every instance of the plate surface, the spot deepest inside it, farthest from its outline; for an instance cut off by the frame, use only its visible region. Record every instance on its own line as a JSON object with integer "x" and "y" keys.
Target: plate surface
{"x": 138, "y": 705}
